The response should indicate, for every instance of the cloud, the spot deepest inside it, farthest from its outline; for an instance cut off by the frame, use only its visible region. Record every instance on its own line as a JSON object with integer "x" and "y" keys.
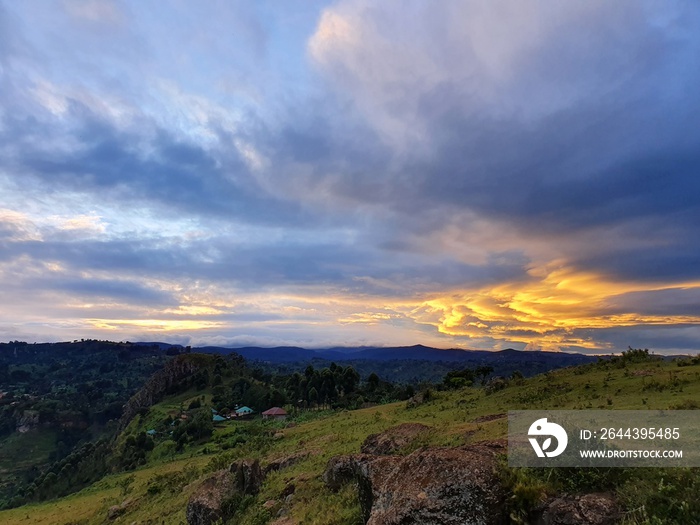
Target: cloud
{"x": 562, "y": 308}
{"x": 457, "y": 173}
{"x": 523, "y": 111}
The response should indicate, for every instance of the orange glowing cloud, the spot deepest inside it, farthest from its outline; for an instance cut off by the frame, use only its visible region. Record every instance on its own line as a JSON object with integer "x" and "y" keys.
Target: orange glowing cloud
{"x": 545, "y": 311}
{"x": 154, "y": 325}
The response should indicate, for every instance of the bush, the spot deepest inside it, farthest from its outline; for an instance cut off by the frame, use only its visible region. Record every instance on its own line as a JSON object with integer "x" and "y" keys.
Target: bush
{"x": 661, "y": 496}
{"x": 526, "y": 488}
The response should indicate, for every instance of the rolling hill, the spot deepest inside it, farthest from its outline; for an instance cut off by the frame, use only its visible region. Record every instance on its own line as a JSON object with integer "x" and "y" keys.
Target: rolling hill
{"x": 158, "y": 490}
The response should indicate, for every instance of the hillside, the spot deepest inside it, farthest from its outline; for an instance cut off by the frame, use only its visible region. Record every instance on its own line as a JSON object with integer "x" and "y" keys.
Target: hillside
{"x": 158, "y": 491}
{"x": 404, "y": 364}
{"x": 56, "y": 397}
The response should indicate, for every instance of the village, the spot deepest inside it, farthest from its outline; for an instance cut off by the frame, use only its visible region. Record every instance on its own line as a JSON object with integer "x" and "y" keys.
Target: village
{"x": 220, "y": 418}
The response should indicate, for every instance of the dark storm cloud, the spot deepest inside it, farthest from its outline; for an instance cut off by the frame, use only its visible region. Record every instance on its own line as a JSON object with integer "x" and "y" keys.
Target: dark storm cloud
{"x": 353, "y": 268}
{"x": 130, "y": 166}
{"x": 675, "y": 259}
{"x": 678, "y": 301}
{"x": 510, "y": 172}
{"x": 595, "y": 124}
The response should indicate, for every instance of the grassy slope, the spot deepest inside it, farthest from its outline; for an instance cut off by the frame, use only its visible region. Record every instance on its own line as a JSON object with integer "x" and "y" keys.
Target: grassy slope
{"x": 452, "y": 414}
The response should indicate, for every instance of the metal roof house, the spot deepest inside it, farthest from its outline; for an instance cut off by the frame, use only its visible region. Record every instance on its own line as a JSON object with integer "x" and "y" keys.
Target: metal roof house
{"x": 216, "y": 418}
{"x": 275, "y": 413}
{"x": 244, "y": 411}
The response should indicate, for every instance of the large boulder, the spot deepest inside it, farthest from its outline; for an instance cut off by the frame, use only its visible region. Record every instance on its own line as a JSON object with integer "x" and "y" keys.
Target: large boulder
{"x": 206, "y": 504}
{"x": 587, "y": 509}
{"x": 247, "y": 475}
{"x": 341, "y": 470}
{"x": 391, "y": 441}
{"x": 212, "y": 499}
{"x": 441, "y": 486}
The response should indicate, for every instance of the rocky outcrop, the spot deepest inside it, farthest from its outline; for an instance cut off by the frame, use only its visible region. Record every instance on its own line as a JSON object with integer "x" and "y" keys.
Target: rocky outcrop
{"x": 391, "y": 441}
{"x": 341, "y": 470}
{"x": 206, "y": 504}
{"x": 212, "y": 499}
{"x": 117, "y": 510}
{"x": 247, "y": 475}
{"x": 441, "y": 486}
{"x": 416, "y": 400}
{"x": 27, "y": 421}
{"x": 173, "y": 373}
{"x": 285, "y": 462}
{"x": 587, "y": 509}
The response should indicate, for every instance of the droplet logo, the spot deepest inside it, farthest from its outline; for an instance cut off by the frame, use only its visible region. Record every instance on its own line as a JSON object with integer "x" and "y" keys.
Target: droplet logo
{"x": 542, "y": 427}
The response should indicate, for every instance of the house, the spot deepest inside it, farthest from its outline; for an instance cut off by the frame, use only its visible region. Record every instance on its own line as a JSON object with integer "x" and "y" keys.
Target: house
{"x": 216, "y": 418}
{"x": 244, "y": 411}
{"x": 275, "y": 413}
{"x": 151, "y": 432}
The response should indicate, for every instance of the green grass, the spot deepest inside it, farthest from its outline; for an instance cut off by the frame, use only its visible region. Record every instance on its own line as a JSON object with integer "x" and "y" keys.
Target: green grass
{"x": 18, "y": 451}
{"x": 454, "y": 416}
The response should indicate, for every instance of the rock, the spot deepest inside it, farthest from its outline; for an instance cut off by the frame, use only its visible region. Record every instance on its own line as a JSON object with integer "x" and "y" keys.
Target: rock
{"x": 247, "y": 476}
{"x": 287, "y": 461}
{"x": 392, "y": 440}
{"x": 285, "y": 520}
{"x": 288, "y": 491}
{"x": 495, "y": 384}
{"x": 490, "y": 417}
{"x": 343, "y": 469}
{"x": 415, "y": 401}
{"x": 588, "y": 509}
{"x": 117, "y": 510}
{"x": 441, "y": 486}
{"x": 269, "y": 504}
{"x": 114, "y": 511}
{"x": 174, "y": 372}
{"x": 205, "y": 505}
{"x": 28, "y": 421}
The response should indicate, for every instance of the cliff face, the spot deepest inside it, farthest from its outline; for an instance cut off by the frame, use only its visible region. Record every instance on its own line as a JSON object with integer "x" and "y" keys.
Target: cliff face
{"x": 175, "y": 372}
{"x": 28, "y": 420}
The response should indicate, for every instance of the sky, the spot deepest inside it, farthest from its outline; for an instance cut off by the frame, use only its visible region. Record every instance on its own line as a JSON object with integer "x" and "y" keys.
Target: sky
{"x": 485, "y": 175}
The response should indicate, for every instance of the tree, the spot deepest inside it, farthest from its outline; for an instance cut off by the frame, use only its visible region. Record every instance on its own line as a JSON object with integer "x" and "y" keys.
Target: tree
{"x": 313, "y": 396}
{"x": 373, "y": 382}
{"x": 459, "y": 378}
{"x": 483, "y": 372}
{"x": 350, "y": 380}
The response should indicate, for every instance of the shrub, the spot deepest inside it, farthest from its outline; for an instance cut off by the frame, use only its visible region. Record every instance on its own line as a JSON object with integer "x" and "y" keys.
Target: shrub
{"x": 661, "y": 496}
{"x": 526, "y": 488}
